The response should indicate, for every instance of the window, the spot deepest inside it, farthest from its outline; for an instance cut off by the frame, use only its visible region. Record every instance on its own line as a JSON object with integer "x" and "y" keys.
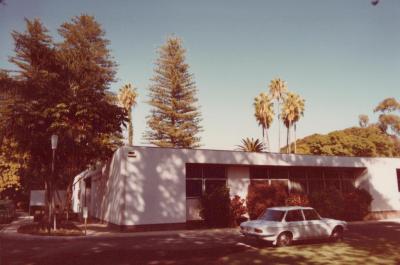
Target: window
{"x": 194, "y": 187}
{"x": 398, "y": 178}
{"x": 258, "y": 172}
{"x": 332, "y": 179}
{"x": 315, "y": 180}
{"x": 214, "y": 171}
{"x": 201, "y": 178}
{"x": 272, "y": 215}
{"x": 298, "y": 180}
{"x": 294, "y": 216}
{"x": 279, "y": 173}
{"x": 311, "y": 215}
{"x": 193, "y": 171}
{"x": 212, "y": 184}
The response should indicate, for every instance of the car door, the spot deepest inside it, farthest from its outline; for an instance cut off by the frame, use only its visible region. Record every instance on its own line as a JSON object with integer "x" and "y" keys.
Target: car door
{"x": 315, "y": 226}
{"x": 295, "y": 223}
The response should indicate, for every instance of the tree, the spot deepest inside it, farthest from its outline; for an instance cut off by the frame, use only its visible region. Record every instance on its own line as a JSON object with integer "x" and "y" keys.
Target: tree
{"x": 388, "y": 120}
{"x": 175, "y": 118}
{"x": 278, "y": 89}
{"x": 292, "y": 110}
{"x": 363, "y": 120}
{"x": 127, "y": 96}
{"x": 264, "y": 113}
{"x": 369, "y": 142}
{"x": 251, "y": 145}
{"x": 63, "y": 90}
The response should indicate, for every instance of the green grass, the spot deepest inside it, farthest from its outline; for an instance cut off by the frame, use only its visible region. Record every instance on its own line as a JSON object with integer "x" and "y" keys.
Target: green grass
{"x": 363, "y": 245}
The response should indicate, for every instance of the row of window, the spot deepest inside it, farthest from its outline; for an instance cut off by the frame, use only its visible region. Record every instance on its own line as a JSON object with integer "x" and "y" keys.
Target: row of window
{"x": 202, "y": 178}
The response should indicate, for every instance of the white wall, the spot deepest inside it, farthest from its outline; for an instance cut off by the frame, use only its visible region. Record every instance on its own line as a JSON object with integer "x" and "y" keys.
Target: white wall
{"x": 238, "y": 180}
{"x": 150, "y": 188}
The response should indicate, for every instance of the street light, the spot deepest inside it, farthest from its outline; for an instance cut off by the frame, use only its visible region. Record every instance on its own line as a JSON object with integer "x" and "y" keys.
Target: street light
{"x": 54, "y": 141}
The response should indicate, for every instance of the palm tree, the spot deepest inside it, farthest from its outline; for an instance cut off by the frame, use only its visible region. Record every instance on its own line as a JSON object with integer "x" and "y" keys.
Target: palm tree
{"x": 278, "y": 89}
{"x": 127, "y": 96}
{"x": 264, "y": 113}
{"x": 251, "y": 145}
{"x": 292, "y": 110}
{"x": 300, "y": 105}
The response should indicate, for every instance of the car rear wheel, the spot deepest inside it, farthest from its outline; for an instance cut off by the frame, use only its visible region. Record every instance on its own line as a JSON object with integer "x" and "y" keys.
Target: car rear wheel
{"x": 337, "y": 234}
{"x": 284, "y": 239}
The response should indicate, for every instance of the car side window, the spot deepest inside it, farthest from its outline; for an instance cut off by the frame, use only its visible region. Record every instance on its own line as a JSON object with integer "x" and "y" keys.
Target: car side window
{"x": 294, "y": 216}
{"x": 311, "y": 215}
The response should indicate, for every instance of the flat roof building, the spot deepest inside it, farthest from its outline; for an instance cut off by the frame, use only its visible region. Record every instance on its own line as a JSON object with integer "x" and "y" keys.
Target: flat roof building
{"x": 151, "y": 185}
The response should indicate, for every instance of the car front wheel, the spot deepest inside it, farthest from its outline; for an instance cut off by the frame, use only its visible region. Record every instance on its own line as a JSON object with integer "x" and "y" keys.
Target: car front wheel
{"x": 284, "y": 239}
{"x": 337, "y": 234}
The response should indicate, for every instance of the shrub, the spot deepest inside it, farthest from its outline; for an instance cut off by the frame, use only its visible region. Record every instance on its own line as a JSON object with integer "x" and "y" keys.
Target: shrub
{"x": 216, "y": 208}
{"x": 297, "y": 199}
{"x": 356, "y": 204}
{"x": 238, "y": 210}
{"x": 261, "y": 195}
{"x": 328, "y": 203}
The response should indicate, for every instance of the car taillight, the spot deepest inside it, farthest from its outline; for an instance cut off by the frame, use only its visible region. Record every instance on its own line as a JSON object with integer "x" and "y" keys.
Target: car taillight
{"x": 258, "y": 230}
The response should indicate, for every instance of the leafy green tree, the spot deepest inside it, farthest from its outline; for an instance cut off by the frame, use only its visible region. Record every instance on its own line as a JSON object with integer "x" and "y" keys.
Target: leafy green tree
{"x": 264, "y": 113}
{"x": 127, "y": 96}
{"x": 251, "y": 145}
{"x": 63, "y": 89}
{"x": 369, "y": 141}
{"x": 174, "y": 119}
{"x": 388, "y": 120}
{"x": 363, "y": 120}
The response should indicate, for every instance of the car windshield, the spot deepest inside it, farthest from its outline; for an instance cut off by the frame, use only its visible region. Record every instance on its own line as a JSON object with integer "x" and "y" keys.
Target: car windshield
{"x": 272, "y": 215}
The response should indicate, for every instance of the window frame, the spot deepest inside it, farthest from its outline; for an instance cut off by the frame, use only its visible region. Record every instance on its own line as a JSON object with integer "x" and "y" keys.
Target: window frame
{"x": 301, "y": 213}
{"x": 313, "y": 210}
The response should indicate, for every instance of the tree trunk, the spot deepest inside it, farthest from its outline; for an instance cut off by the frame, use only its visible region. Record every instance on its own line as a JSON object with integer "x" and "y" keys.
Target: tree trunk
{"x": 295, "y": 139}
{"x": 130, "y": 127}
{"x": 279, "y": 129}
{"x": 287, "y": 139}
{"x": 268, "y": 149}
{"x": 290, "y": 138}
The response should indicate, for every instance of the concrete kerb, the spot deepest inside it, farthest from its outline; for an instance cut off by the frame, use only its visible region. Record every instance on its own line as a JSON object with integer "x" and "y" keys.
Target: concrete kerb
{"x": 11, "y": 231}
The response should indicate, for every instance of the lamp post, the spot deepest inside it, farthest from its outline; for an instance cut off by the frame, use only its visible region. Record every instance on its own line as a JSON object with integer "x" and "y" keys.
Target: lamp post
{"x": 54, "y": 141}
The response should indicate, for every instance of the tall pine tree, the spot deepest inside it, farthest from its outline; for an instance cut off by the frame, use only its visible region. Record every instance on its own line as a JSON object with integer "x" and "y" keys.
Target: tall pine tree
{"x": 175, "y": 119}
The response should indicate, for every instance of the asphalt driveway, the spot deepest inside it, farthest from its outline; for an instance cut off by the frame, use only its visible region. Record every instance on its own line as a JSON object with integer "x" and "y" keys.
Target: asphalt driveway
{"x": 368, "y": 243}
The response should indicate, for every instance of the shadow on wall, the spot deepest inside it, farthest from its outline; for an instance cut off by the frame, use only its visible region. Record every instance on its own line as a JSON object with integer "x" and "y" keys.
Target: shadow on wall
{"x": 151, "y": 187}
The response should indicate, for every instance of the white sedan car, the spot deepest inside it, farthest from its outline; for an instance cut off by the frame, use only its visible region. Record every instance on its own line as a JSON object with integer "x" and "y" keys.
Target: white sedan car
{"x": 282, "y": 225}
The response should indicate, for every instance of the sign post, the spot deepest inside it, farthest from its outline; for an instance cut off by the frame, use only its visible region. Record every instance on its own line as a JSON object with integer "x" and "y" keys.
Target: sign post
{"x": 85, "y": 216}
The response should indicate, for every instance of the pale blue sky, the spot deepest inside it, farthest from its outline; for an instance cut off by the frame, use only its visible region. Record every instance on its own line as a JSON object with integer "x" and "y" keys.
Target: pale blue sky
{"x": 342, "y": 56}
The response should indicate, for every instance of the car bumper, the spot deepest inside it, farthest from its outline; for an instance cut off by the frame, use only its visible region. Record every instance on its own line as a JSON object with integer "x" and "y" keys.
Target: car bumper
{"x": 264, "y": 237}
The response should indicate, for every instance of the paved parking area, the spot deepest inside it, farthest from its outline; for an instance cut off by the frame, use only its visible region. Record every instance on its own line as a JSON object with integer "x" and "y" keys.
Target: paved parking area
{"x": 368, "y": 243}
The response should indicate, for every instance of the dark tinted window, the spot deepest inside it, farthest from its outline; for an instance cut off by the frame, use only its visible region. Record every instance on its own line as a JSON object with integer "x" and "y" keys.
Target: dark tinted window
{"x": 214, "y": 171}
{"x": 272, "y": 215}
{"x": 398, "y": 179}
{"x": 294, "y": 216}
{"x": 212, "y": 185}
{"x": 311, "y": 215}
{"x": 258, "y": 172}
{"x": 193, "y": 171}
{"x": 193, "y": 187}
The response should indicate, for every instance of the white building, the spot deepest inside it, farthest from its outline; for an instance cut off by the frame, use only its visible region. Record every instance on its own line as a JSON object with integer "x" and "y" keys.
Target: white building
{"x": 159, "y": 186}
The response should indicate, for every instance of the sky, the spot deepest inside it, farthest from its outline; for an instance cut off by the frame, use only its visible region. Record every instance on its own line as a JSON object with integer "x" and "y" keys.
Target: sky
{"x": 341, "y": 56}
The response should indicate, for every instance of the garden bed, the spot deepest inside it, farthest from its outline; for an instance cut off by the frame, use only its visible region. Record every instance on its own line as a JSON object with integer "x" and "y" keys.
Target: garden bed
{"x": 64, "y": 229}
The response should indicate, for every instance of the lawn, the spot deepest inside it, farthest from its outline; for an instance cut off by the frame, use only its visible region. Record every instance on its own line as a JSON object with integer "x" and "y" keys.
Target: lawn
{"x": 363, "y": 245}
